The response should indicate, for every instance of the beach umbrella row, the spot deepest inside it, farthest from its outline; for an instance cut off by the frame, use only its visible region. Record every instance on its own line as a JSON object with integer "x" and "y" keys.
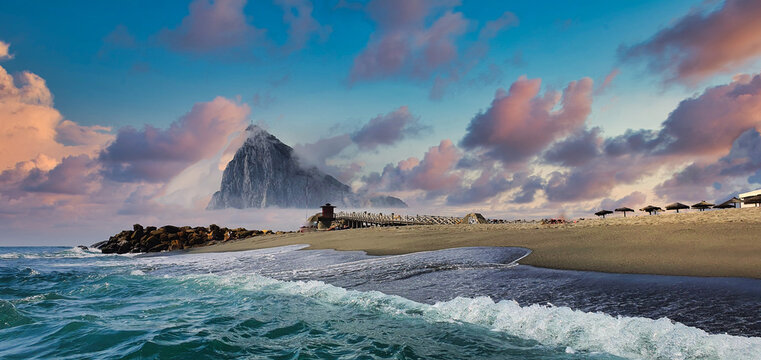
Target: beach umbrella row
{"x": 702, "y": 206}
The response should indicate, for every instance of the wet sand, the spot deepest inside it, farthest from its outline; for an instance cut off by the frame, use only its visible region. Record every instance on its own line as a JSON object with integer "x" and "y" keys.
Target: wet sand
{"x": 710, "y": 243}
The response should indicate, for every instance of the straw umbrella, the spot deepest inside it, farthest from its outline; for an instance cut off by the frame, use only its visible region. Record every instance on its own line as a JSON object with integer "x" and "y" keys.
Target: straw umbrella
{"x": 729, "y": 204}
{"x": 752, "y": 200}
{"x": 603, "y": 213}
{"x": 650, "y": 209}
{"x": 676, "y": 206}
{"x": 624, "y": 210}
{"x": 702, "y": 205}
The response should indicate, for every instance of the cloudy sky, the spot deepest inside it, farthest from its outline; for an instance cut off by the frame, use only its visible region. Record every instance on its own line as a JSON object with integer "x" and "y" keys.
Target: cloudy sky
{"x": 119, "y": 112}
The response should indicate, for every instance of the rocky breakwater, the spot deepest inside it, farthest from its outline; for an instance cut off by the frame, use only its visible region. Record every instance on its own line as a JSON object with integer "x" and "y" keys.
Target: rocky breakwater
{"x": 152, "y": 239}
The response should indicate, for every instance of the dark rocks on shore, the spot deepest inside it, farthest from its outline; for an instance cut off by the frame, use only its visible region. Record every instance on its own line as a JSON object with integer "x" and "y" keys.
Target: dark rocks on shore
{"x": 152, "y": 239}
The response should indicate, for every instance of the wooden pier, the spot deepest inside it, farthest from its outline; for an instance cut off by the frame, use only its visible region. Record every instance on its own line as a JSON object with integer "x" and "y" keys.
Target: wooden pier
{"x": 364, "y": 219}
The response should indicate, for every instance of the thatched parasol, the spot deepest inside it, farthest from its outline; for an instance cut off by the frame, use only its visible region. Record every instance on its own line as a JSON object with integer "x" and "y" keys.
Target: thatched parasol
{"x": 676, "y": 206}
{"x": 603, "y": 213}
{"x": 473, "y": 218}
{"x": 752, "y": 200}
{"x": 702, "y": 205}
{"x": 624, "y": 210}
{"x": 650, "y": 209}
{"x": 314, "y": 218}
{"x": 729, "y": 204}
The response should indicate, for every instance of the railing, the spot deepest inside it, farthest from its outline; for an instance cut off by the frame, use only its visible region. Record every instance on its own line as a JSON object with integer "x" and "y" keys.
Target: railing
{"x": 380, "y": 219}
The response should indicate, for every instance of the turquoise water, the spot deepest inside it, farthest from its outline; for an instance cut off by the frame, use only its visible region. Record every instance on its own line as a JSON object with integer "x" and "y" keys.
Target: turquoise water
{"x": 286, "y": 304}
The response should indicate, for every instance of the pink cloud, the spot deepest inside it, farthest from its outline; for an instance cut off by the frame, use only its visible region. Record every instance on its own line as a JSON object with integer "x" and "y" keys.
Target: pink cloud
{"x": 473, "y": 56}
{"x": 75, "y": 175}
{"x": 576, "y": 149}
{"x": 520, "y": 123}
{"x": 701, "y": 43}
{"x": 5, "y": 51}
{"x": 301, "y": 25}
{"x": 607, "y": 81}
{"x": 156, "y": 155}
{"x": 212, "y": 26}
{"x": 743, "y": 160}
{"x": 31, "y": 127}
{"x": 222, "y": 28}
{"x": 705, "y": 125}
{"x": 435, "y": 173}
{"x": 387, "y": 129}
{"x": 403, "y": 44}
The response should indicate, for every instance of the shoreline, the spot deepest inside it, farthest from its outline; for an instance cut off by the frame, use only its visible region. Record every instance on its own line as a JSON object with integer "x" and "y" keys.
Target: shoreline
{"x": 719, "y": 243}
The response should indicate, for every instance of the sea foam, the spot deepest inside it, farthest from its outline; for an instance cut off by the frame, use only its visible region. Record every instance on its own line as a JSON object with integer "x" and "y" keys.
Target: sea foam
{"x": 630, "y": 337}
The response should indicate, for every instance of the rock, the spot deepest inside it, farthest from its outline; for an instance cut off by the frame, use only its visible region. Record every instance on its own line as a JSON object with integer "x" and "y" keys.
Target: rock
{"x": 82, "y": 247}
{"x": 137, "y": 232}
{"x": 123, "y": 247}
{"x": 265, "y": 172}
{"x": 152, "y": 241}
{"x": 170, "y": 229}
{"x": 169, "y": 237}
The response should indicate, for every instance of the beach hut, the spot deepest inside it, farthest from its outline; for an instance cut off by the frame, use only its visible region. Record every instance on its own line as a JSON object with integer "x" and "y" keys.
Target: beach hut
{"x": 624, "y": 210}
{"x": 752, "y": 200}
{"x": 676, "y": 206}
{"x": 603, "y": 213}
{"x": 650, "y": 209}
{"x": 732, "y": 203}
{"x": 702, "y": 205}
{"x": 747, "y": 196}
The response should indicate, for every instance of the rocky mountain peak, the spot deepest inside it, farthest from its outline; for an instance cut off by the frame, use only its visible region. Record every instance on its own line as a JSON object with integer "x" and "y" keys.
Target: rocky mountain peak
{"x": 265, "y": 173}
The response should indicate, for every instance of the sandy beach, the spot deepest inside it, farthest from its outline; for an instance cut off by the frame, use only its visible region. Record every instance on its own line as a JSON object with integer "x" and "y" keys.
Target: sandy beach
{"x": 712, "y": 243}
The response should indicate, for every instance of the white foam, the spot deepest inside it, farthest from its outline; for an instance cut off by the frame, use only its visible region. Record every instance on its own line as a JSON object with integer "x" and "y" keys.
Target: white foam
{"x": 137, "y": 272}
{"x": 630, "y": 337}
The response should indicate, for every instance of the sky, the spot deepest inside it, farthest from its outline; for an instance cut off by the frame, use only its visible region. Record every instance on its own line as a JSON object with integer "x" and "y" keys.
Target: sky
{"x": 122, "y": 112}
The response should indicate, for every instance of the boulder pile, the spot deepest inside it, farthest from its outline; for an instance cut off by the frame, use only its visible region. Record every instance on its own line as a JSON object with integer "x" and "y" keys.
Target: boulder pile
{"x": 151, "y": 239}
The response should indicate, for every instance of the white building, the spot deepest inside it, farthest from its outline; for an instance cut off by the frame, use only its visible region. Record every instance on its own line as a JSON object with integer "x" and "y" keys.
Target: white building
{"x": 749, "y": 194}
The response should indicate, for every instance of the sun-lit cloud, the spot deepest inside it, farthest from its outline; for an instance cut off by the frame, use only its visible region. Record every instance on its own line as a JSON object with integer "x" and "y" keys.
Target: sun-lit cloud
{"x": 212, "y": 26}
{"x": 423, "y": 39}
{"x": 520, "y": 122}
{"x": 30, "y": 126}
{"x": 301, "y": 24}
{"x": 156, "y": 155}
{"x": 703, "y": 42}
{"x": 5, "y": 51}
{"x": 222, "y": 28}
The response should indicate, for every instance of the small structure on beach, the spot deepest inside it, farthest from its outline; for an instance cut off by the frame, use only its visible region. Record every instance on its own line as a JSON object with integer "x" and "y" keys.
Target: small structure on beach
{"x": 326, "y": 218}
{"x": 624, "y": 210}
{"x": 474, "y": 218}
{"x": 702, "y": 205}
{"x": 748, "y": 198}
{"x": 677, "y": 206}
{"x": 650, "y": 209}
{"x": 732, "y": 203}
{"x": 752, "y": 200}
{"x": 603, "y": 213}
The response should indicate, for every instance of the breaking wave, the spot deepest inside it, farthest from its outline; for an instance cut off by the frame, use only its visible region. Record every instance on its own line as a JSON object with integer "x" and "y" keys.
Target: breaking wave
{"x": 630, "y": 337}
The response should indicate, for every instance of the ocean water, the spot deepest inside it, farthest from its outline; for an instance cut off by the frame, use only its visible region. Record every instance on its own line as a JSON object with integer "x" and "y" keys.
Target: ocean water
{"x": 286, "y": 303}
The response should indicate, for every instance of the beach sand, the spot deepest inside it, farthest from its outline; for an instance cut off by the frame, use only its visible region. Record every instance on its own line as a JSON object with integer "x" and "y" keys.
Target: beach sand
{"x": 709, "y": 243}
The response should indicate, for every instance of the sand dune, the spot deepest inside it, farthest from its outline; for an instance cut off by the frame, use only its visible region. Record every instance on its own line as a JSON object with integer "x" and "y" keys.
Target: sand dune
{"x": 709, "y": 243}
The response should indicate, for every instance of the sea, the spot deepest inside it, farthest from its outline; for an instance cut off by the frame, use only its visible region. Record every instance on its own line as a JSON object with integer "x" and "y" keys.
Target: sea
{"x": 292, "y": 303}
